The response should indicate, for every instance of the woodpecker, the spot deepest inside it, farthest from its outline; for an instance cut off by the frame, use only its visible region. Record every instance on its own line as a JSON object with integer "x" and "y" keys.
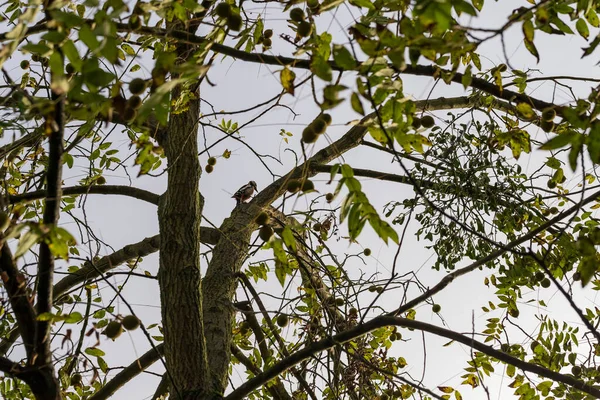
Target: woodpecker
{"x": 245, "y": 192}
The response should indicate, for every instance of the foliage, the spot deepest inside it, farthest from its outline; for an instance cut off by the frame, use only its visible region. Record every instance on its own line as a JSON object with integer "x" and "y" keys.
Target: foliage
{"x": 291, "y": 301}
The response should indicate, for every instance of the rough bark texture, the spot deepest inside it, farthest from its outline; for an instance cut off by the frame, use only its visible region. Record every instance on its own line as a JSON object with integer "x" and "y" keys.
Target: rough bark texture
{"x": 219, "y": 287}
{"x": 179, "y": 213}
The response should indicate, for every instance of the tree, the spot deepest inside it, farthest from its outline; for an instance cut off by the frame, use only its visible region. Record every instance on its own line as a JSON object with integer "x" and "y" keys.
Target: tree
{"x": 288, "y": 297}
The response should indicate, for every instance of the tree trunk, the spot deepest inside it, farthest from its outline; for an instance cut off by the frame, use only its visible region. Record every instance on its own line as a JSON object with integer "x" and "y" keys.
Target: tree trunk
{"x": 179, "y": 213}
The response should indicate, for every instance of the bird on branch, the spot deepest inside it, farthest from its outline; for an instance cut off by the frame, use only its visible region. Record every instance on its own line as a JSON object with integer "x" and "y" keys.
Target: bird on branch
{"x": 245, "y": 192}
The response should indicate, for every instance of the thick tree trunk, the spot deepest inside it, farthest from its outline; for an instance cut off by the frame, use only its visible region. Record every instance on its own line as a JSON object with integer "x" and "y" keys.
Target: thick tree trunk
{"x": 179, "y": 213}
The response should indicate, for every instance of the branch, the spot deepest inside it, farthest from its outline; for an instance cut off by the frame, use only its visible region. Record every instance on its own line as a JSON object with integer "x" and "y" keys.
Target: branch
{"x": 93, "y": 270}
{"x": 282, "y": 347}
{"x": 382, "y": 176}
{"x": 445, "y": 281}
{"x": 10, "y": 368}
{"x": 382, "y": 321}
{"x": 277, "y": 390}
{"x": 55, "y": 123}
{"x": 128, "y": 373}
{"x": 261, "y": 58}
{"x": 16, "y": 287}
{"x": 28, "y": 140}
{"x": 230, "y": 253}
{"x": 360, "y": 330}
{"x": 90, "y": 271}
{"x": 162, "y": 389}
{"x": 129, "y": 191}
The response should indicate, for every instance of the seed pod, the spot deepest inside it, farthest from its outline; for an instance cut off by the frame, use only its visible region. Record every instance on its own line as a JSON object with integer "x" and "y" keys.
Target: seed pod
{"x": 131, "y": 322}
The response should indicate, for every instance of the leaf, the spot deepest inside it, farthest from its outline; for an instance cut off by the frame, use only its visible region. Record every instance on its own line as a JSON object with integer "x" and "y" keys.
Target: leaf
{"x": 88, "y": 37}
{"x": 467, "y": 77}
{"x": 280, "y": 273}
{"x": 594, "y": 143}
{"x": 47, "y": 316}
{"x": 363, "y": 3}
{"x": 592, "y": 18}
{"x": 287, "y": 77}
{"x": 156, "y": 100}
{"x": 73, "y": 318}
{"x": 68, "y": 160}
{"x": 288, "y": 238}
{"x": 582, "y": 28}
{"x": 525, "y": 110}
{"x": 576, "y": 147}
{"x": 356, "y": 103}
{"x": 347, "y": 171}
{"x": 478, "y": 4}
{"x": 343, "y": 58}
{"x": 528, "y": 30}
{"x": 532, "y": 49}
{"x": 27, "y": 240}
{"x": 102, "y": 364}
{"x": 589, "y": 50}
{"x": 320, "y": 67}
{"x": 95, "y": 352}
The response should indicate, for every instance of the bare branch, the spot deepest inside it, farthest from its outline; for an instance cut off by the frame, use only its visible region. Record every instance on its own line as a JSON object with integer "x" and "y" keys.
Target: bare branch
{"x": 129, "y": 191}
{"x": 379, "y": 322}
{"x": 128, "y": 373}
{"x": 162, "y": 389}
{"x": 277, "y": 390}
{"x": 93, "y": 270}
{"x": 448, "y": 279}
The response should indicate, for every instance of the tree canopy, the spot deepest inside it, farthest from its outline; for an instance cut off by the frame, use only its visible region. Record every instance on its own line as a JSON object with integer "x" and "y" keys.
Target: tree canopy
{"x": 424, "y": 224}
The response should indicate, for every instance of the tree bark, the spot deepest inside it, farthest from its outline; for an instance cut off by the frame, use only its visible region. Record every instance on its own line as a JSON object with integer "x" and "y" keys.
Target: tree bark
{"x": 179, "y": 214}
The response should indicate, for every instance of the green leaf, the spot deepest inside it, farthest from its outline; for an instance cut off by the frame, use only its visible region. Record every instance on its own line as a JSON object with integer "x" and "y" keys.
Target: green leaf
{"x": 525, "y": 110}
{"x": 26, "y": 242}
{"x": 68, "y": 160}
{"x": 343, "y": 58}
{"x": 582, "y": 28}
{"x": 128, "y": 49}
{"x": 320, "y": 67}
{"x": 557, "y": 142}
{"x": 347, "y": 171}
{"x": 589, "y": 50}
{"x": 467, "y": 77}
{"x": 593, "y": 143}
{"x": 287, "y": 77}
{"x": 576, "y": 147}
{"x": 592, "y": 18}
{"x": 37, "y": 48}
{"x": 528, "y": 30}
{"x": 288, "y": 238}
{"x": 95, "y": 352}
{"x": 356, "y": 103}
{"x": 88, "y": 37}
{"x": 156, "y": 100}
{"x": 334, "y": 170}
{"x": 70, "y": 51}
{"x": 73, "y": 318}
{"x": 102, "y": 364}
{"x": 47, "y": 316}
{"x": 532, "y": 49}
{"x": 461, "y": 6}
{"x": 363, "y": 3}
{"x": 55, "y": 37}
